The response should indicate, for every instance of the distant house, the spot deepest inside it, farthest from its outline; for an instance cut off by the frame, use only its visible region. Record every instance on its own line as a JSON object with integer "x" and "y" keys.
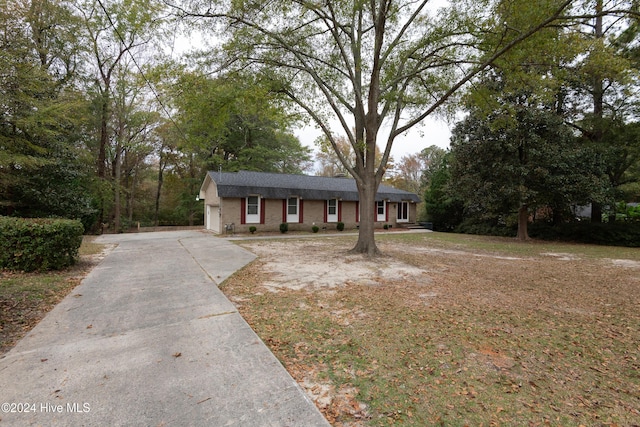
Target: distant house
{"x": 265, "y": 200}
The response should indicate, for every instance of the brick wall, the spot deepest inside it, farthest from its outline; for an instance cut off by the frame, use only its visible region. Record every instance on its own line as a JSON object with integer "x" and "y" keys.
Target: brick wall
{"x": 313, "y": 213}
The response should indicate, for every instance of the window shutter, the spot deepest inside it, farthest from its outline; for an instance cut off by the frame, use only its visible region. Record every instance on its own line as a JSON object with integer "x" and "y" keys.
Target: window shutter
{"x": 284, "y": 210}
{"x": 339, "y": 210}
{"x": 301, "y": 213}
{"x": 386, "y": 211}
{"x": 243, "y": 211}
{"x": 326, "y": 208}
{"x": 262, "y": 206}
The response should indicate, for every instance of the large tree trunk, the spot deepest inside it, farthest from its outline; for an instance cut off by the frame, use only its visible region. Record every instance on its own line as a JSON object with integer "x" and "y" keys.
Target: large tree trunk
{"x": 598, "y": 108}
{"x": 116, "y": 191}
{"x": 193, "y": 188}
{"x": 366, "y": 131}
{"x": 596, "y": 212}
{"x": 366, "y": 241}
{"x": 101, "y": 159}
{"x": 523, "y": 223}
{"x": 558, "y": 215}
{"x": 104, "y": 140}
{"x": 131, "y": 197}
{"x": 159, "y": 190}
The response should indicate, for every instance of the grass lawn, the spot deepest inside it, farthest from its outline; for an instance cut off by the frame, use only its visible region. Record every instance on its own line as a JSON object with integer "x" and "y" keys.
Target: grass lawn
{"x": 492, "y": 332}
{"x": 25, "y": 298}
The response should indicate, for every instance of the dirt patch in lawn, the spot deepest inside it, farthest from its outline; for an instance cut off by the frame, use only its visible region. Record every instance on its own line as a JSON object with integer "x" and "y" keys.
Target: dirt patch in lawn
{"x": 628, "y": 263}
{"x": 25, "y": 298}
{"x": 308, "y": 264}
{"x": 439, "y": 334}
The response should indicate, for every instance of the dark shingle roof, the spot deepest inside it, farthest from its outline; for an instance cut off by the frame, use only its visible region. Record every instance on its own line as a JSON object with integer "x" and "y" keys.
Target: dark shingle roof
{"x": 281, "y": 186}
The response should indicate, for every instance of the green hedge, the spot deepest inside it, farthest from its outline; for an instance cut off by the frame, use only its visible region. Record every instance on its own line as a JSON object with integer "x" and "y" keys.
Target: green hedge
{"x": 611, "y": 234}
{"x": 485, "y": 229}
{"x": 39, "y": 244}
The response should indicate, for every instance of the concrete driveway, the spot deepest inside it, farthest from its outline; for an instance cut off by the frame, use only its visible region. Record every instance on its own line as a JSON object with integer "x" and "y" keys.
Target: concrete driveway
{"x": 147, "y": 339}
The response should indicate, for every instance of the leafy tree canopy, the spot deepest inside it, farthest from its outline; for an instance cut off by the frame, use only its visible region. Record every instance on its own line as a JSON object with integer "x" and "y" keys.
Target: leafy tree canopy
{"x": 238, "y": 123}
{"x": 528, "y": 160}
{"x": 377, "y": 67}
{"x": 42, "y": 118}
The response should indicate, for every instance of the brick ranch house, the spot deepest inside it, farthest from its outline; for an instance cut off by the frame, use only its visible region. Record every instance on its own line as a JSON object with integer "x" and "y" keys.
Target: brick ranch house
{"x": 265, "y": 200}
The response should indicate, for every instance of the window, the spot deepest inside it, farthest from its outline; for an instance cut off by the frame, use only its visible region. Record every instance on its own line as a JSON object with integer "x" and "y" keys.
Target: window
{"x": 403, "y": 212}
{"x": 381, "y": 211}
{"x": 293, "y": 211}
{"x": 292, "y": 206}
{"x": 253, "y": 210}
{"x": 332, "y": 210}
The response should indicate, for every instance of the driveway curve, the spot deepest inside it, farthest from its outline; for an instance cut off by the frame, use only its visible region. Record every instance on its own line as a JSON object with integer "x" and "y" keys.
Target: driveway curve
{"x": 148, "y": 339}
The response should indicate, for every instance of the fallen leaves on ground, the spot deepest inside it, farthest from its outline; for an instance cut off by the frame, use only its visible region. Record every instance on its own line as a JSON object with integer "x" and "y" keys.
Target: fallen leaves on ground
{"x": 479, "y": 339}
{"x": 25, "y": 298}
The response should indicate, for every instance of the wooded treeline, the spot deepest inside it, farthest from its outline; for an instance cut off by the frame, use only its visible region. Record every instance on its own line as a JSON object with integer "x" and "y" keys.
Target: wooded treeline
{"x": 549, "y": 128}
{"x": 98, "y": 122}
{"x": 101, "y": 121}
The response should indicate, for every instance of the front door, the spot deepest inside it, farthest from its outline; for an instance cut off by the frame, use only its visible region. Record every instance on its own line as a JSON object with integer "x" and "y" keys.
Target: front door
{"x": 332, "y": 210}
{"x": 213, "y": 218}
{"x": 293, "y": 210}
{"x": 253, "y": 210}
{"x": 403, "y": 212}
{"x": 381, "y": 211}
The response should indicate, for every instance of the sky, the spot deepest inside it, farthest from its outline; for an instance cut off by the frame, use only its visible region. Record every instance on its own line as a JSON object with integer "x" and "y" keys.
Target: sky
{"x": 433, "y": 131}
